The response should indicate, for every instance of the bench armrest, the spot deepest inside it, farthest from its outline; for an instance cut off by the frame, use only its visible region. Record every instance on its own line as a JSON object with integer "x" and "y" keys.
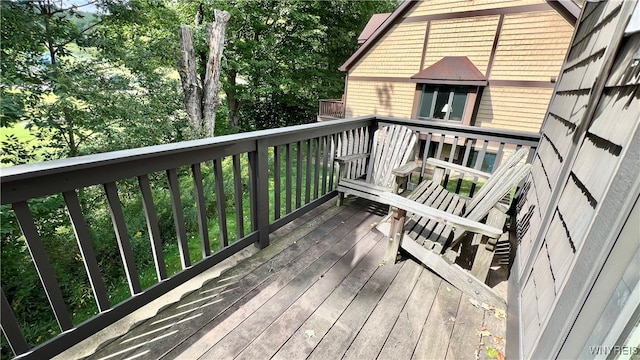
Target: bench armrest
{"x": 350, "y": 158}
{"x": 459, "y": 168}
{"x": 406, "y": 169}
{"x": 456, "y": 222}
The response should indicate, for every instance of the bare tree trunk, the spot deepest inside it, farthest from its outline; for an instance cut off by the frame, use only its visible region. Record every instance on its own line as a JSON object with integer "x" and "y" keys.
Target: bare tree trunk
{"x": 233, "y": 103}
{"x": 215, "y": 37}
{"x": 201, "y": 101}
{"x": 189, "y": 78}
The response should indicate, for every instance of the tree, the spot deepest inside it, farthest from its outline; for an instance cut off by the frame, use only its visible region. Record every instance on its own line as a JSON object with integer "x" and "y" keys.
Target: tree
{"x": 201, "y": 92}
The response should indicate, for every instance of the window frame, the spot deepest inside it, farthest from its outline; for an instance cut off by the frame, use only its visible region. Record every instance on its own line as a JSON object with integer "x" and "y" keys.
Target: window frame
{"x": 434, "y": 99}
{"x": 472, "y": 101}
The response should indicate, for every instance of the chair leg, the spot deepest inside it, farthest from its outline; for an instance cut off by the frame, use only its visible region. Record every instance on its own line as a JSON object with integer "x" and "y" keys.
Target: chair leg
{"x": 395, "y": 236}
{"x": 340, "y": 199}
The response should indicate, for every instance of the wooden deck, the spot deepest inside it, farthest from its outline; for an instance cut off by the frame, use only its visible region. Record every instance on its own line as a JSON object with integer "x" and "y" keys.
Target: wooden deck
{"x": 319, "y": 291}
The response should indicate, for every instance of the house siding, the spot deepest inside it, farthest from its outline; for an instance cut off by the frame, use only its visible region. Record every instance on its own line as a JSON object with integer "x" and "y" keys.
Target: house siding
{"x": 571, "y": 215}
{"x": 529, "y": 47}
{"x": 513, "y": 108}
{"x": 470, "y": 37}
{"x": 379, "y": 98}
{"x": 397, "y": 54}
{"x": 446, "y": 6}
{"x": 519, "y": 45}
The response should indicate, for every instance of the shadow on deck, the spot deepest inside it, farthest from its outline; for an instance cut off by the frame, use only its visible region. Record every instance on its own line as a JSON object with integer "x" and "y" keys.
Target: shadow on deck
{"x": 319, "y": 291}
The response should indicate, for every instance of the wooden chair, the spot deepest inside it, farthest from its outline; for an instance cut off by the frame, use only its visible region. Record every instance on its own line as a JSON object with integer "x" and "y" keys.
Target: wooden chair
{"x": 388, "y": 166}
{"x": 439, "y": 219}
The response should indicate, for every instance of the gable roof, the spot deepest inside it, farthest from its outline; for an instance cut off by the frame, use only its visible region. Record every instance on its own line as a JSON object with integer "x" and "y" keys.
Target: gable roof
{"x": 567, "y": 8}
{"x": 373, "y": 25}
{"x": 452, "y": 70}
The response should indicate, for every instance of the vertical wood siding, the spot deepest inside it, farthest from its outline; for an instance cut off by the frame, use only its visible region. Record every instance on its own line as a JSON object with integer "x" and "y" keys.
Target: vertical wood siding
{"x": 530, "y": 48}
{"x": 397, "y": 54}
{"x": 380, "y": 98}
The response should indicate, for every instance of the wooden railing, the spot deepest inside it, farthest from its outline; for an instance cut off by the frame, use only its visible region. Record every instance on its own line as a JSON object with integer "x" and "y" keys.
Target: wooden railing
{"x": 331, "y": 108}
{"x": 281, "y": 173}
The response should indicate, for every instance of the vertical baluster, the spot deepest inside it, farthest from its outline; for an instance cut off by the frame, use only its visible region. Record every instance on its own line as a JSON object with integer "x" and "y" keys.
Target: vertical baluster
{"x": 151, "y": 216}
{"x": 289, "y": 178}
{"x": 221, "y": 202}
{"x": 86, "y": 250}
{"x": 253, "y": 190}
{"x": 307, "y": 189}
{"x": 259, "y": 162}
{"x": 316, "y": 173}
{"x": 178, "y": 217}
{"x": 238, "y": 191}
{"x": 440, "y": 147}
{"x": 201, "y": 210}
{"x": 42, "y": 264}
{"x": 498, "y": 157}
{"x": 478, "y": 166}
{"x": 11, "y": 328}
{"x": 452, "y": 154}
{"x": 299, "y": 174}
{"x": 122, "y": 237}
{"x": 277, "y": 189}
{"x": 332, "y": 165}
{"x": 425, "y": 155}
{"x": 325, "y": 163}
{"x": 465, "y": 160}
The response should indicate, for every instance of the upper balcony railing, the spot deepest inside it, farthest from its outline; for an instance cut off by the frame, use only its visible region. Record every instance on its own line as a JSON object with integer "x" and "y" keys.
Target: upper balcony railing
{"x": 331, "y": 109}
{"x": 271, "y": 177}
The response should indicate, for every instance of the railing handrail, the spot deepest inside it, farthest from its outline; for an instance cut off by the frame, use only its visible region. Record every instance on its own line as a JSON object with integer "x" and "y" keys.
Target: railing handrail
{"x": 55, "y": 176}
{"x": 319, "y": 140}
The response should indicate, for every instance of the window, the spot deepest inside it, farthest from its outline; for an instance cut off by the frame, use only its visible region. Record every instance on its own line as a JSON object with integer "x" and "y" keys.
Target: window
{"x": 443, "y": 102}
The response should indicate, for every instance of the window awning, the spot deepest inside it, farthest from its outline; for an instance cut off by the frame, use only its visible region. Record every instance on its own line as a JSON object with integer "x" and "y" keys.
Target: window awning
{"x": 451, "y": 70}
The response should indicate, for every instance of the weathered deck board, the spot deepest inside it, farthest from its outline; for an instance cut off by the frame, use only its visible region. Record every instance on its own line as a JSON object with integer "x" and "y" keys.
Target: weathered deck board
{"x": 319, "y": 291}
{"x": 371, "y": 337}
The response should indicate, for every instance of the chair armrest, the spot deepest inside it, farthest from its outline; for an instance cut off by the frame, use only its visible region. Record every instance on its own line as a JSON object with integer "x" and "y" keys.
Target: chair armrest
{"x": 350, "y": 158}
{"x": 406, "y": 169}
{"x": 456, "y": 167}
{"x": 454, "y": 221}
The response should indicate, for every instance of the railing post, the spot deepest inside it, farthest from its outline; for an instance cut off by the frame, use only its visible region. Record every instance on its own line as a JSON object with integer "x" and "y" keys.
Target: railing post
{"x": 259, "y": 174}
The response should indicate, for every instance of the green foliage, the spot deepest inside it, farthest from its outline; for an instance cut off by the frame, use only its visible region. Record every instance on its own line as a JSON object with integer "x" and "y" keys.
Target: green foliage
{"x": 76, "y": 83}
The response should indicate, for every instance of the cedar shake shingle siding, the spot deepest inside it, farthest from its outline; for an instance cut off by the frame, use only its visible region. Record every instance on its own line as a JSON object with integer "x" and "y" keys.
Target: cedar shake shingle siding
{"x": 518, "y": 46}
{"x": 576, "y": 230}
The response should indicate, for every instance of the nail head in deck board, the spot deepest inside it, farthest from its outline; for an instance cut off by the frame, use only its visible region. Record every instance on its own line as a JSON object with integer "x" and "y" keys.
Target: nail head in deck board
{"x": 293, "y": 260}
{"x": 436, "y": 335}
{"x": 301, "y": 344}
{"x": 267, "y": 344}
{"x": 251, "y": 273}
{"x": 372, "y": 336}
{"x": 406, "y": 332}
{"x": 341, "y": 255}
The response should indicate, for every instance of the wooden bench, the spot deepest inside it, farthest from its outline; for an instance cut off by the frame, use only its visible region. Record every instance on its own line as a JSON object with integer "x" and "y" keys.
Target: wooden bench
{"x": 438, "y": 220}
{"x": 388, "y": 165}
